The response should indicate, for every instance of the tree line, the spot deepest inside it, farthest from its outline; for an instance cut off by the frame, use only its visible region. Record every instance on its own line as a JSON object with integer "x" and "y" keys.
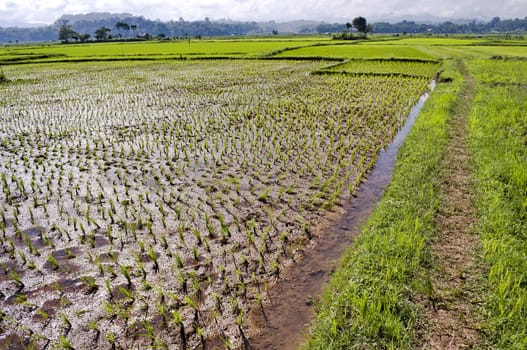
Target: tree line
{"x": 91, "y": 28}
{"x": 496, "y": 25}
{"x": 128, "y": 27}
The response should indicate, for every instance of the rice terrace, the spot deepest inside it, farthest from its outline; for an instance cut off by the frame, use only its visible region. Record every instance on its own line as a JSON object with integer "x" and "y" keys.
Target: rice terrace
{"x": 186, "y": 194}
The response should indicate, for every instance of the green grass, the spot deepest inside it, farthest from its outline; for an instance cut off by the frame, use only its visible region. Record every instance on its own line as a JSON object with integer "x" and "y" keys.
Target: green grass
{"x": 390, "y": 67}
{"x": 500, "y": 71}
{"x": 476, "y": 51}
{"x": 498, "y": 134}
{"x": 3, "y": 78}
{"x": 368, "y": 301}
{"x": 354, "y": 50}
{"x": 420, "y": 41}
{"x": 295, "y": 47}
{"x": 148, "y": 50}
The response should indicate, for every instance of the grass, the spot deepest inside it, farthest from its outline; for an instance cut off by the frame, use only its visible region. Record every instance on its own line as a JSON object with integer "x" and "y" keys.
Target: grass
{"x": 354, "y": 50}
{"x": 474, "y": 51}
{"x": 497, "y": 138}
{"x": 500, "y": 72}
{"x": 389, "y": 67}
{"x": 181, "y": 49}
{"x": 368, "y": 303}
{"x": 424, "y": 41}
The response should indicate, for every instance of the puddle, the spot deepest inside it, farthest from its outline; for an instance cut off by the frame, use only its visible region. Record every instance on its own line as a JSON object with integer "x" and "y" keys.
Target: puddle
{"x": 66, "y": 254}
{"x": 100, "y": 241}
{"x": 285, "y": 319}
{"x": 34, "y": 231}
{"x": 9, "y": 222}
{"x": 46, "y": 311}
{"x": 7, "y": 268}
{"x": 64, "y": 266}
{"x": 120, "y": 291}
{"x": 13, "y": 341}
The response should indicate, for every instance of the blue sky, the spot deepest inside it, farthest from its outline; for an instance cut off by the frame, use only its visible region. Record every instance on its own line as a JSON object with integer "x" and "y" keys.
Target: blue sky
{"x": 16, "y": 12}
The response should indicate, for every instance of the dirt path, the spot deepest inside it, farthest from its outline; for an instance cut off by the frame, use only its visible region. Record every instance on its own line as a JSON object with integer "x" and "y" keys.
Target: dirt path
{"x": 454, "y": 278}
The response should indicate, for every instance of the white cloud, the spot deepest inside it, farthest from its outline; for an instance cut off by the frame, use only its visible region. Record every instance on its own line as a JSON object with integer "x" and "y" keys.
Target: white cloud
{"x": 47, "y": 11}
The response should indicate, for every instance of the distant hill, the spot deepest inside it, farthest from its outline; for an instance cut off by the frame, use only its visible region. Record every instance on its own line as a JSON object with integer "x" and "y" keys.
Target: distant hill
{"x": 90, "y": 22}
{"x": 94, "y": 16}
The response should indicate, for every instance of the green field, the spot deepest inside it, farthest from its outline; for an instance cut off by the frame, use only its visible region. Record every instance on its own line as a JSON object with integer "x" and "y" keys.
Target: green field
{"x": 415, "y": 68}
{"x": 151, "y": 50}
{"x": 353, "y": 50}
{"x": 152, "y": 192}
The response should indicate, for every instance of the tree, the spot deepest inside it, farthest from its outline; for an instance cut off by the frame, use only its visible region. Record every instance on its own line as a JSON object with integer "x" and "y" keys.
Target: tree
{"x": 66, "y": 32}
{"x": 102, "y": 33}
{"x": 84, "y": 37}
{"x": 122, "y": 26}
{"x": 133, "y": 28}
{"x": 361, "y": 25}
{"x": 494, "y": 24}
{"x": 348, "y": 26}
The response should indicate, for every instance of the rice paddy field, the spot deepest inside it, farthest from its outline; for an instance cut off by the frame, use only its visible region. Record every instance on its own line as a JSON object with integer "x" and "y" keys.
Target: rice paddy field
{"x": 154, "y": 192}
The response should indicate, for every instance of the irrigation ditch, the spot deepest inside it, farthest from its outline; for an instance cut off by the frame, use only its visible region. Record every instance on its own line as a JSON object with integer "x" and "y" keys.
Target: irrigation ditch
{"x": 282, "y": 322}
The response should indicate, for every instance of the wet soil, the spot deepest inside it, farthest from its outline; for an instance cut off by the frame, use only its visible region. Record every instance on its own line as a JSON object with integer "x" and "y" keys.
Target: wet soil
{"x": 282, "y": 322}
{"x": 194, "y": 219}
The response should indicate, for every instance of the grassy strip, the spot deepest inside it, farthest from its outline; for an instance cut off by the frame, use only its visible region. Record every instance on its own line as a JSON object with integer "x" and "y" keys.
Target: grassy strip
{"x": 368, "y": 74}
{"x": 498, "y": 129}
{"x": 368, "y": 303}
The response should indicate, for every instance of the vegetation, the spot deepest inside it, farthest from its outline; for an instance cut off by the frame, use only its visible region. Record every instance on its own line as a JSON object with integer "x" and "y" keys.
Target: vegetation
{"x": 181, "y": 28}
{"x": 404, "y": 67}
{"x": 161, "y": 198}
{"x": 360, "y": 25}
{"x": 374, "y": 298}
{"x": 103, "y": 33}
{"x": 368, "y": 303}
{"x": 176, "y": 50}
{"x": 495, "y": 25}
{"x": 497, "y": 134}
{"x": 66, "y": 33}
{"x": 347, "y": 50}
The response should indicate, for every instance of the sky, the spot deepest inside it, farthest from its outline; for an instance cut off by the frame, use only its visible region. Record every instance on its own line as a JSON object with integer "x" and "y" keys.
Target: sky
{"x": 37, "y": 12}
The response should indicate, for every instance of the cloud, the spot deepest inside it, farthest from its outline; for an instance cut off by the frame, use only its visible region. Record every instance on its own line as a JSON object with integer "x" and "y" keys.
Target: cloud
{"x": 47, "y": 11}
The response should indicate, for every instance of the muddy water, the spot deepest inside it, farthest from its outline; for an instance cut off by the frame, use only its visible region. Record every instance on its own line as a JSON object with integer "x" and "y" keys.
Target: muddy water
{"x": 283, "y": 323}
